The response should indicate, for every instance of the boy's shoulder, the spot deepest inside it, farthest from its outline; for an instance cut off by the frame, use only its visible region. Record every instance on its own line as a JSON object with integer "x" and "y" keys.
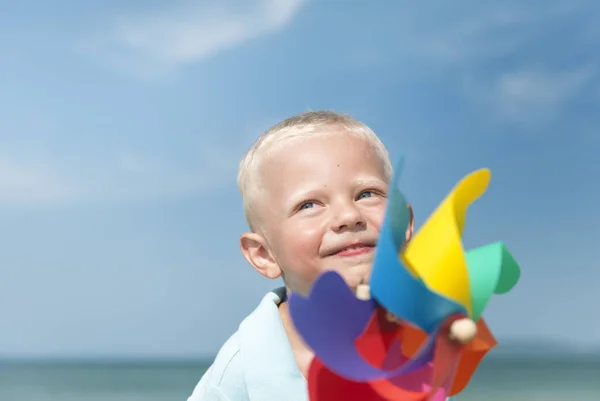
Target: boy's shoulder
{"x": 256, "y": 363}
{"x": 224, "y": 380}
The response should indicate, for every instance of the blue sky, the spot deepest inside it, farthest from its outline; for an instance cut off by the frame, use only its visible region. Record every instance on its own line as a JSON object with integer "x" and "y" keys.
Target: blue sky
{"x": 121, "y": 126}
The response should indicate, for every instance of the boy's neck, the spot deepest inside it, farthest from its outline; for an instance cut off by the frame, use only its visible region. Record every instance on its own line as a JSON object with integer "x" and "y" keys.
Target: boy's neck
{"x": 302, "y": 353}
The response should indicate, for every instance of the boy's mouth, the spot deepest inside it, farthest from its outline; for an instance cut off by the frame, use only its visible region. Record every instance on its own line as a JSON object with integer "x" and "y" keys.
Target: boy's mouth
{"x": 354, "y": 249}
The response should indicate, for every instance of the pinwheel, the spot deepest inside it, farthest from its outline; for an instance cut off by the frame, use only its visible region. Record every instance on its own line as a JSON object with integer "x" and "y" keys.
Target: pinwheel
{"x": 416, "y": 332}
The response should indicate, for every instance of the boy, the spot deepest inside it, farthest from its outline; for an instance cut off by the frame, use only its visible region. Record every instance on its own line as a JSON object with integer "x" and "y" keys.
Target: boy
{"x": 314, "y": 189}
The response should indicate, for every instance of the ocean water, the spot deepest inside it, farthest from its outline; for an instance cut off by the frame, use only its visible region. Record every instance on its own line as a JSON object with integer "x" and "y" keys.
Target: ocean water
{"x": 509, "y": 380}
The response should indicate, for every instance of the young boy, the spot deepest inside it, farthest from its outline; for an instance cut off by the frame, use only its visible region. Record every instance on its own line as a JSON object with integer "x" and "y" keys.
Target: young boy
{"x": 314, "y": 189}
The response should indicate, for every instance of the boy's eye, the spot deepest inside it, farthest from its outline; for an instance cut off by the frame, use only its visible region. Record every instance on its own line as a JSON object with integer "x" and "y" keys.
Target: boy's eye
{"x": 365, "y": 194}
{"x": 306, "y": 205}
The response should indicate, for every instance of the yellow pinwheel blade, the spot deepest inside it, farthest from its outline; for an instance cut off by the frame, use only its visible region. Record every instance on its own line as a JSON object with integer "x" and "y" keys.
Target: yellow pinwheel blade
{"x": 436, "y": 254}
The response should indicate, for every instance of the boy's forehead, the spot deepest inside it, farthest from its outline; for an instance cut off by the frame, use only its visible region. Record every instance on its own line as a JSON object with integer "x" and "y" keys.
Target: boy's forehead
{"x": 318, "y": 157}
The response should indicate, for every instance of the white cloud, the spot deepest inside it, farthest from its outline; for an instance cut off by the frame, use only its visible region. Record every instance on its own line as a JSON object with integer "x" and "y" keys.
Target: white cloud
{"x": 492, "y": 51}
{"x": 32, "y": 183}
{"x": 523, "y": 93}
{"x": 152, "y": 43}
{"x": 531, "y": 96}
{"x": 124, "y": 176}
{"x": 461, "y": 35}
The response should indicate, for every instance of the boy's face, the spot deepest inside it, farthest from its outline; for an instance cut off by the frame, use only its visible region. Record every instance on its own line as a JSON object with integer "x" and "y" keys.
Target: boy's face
{"x": 322, "y": 210}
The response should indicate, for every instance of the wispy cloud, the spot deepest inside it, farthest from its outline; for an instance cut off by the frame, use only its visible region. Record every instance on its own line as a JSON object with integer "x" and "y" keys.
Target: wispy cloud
{"x": 123, "y": 176}
{"x": 520, "y": 61}
{"x": 531, "y": 96}
{"x": 498, "y": 53}
{"x": 33, "y": 184}
{"x": 480, "y": 30}
{"x": 153, "y": 43}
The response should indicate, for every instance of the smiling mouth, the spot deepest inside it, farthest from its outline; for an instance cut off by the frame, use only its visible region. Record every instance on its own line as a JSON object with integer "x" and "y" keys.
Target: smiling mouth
{"x": 354, "y": 250}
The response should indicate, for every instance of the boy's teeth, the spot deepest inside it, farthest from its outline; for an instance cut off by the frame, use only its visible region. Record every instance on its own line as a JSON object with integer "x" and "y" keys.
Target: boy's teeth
{"x": 355, "y": 247}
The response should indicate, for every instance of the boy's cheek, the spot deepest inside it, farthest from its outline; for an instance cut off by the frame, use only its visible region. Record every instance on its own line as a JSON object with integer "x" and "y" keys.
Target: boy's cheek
{"x": 378, "y": 218}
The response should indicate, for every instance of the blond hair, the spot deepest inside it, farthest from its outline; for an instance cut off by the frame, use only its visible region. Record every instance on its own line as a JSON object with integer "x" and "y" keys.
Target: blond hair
{"x": 296, "y": 127}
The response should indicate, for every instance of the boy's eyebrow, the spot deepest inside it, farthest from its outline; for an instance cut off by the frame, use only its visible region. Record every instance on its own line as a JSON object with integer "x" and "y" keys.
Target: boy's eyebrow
{"x": 370, "y": 182}
{"x": 300, "y": 196}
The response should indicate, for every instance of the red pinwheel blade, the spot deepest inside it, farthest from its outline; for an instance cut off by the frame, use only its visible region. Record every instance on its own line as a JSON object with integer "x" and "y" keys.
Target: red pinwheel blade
{"x": 324, "y": 385}
{"x": 432, "y": 383}
{"x": 374, "y": 344}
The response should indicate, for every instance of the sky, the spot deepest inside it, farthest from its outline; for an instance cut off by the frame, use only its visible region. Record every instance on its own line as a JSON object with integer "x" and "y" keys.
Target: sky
{"x": 122, "y": 124}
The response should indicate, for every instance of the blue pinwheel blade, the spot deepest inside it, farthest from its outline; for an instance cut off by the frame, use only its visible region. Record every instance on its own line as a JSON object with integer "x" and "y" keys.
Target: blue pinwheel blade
{"x": 392, "y": 285}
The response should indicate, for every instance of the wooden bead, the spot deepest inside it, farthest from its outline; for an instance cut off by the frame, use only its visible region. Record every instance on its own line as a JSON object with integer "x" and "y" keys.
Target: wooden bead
{"x": 363, "y": 291}
{"x": 463, "y": 330}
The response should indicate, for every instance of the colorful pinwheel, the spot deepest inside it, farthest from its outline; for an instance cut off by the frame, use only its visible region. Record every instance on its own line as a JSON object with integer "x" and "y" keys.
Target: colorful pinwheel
{"x": 435, "y": 292}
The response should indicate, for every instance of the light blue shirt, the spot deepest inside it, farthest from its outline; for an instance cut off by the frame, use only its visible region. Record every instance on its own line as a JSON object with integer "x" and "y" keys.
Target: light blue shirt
{"x": 256, "y": 363}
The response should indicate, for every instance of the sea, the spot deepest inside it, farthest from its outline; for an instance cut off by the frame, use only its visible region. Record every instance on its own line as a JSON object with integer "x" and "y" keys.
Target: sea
{"x": 512, "y": 379}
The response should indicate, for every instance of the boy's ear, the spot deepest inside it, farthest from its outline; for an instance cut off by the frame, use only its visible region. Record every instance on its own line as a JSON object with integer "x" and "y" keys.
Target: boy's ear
{"x": 411, "y": 224}
{"x": 256, "y": 251}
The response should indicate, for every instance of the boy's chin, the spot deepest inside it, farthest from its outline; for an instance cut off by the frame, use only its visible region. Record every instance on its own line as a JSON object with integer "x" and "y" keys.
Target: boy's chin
{"x": 356, "y": 275}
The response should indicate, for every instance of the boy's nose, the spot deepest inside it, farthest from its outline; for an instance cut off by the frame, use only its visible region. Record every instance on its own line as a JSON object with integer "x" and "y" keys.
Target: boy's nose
{"x": 348, "y": 218}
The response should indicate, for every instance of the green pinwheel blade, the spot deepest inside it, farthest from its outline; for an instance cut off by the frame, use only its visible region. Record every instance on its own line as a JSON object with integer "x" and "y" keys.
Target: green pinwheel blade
{"x": 492, "y": 270}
